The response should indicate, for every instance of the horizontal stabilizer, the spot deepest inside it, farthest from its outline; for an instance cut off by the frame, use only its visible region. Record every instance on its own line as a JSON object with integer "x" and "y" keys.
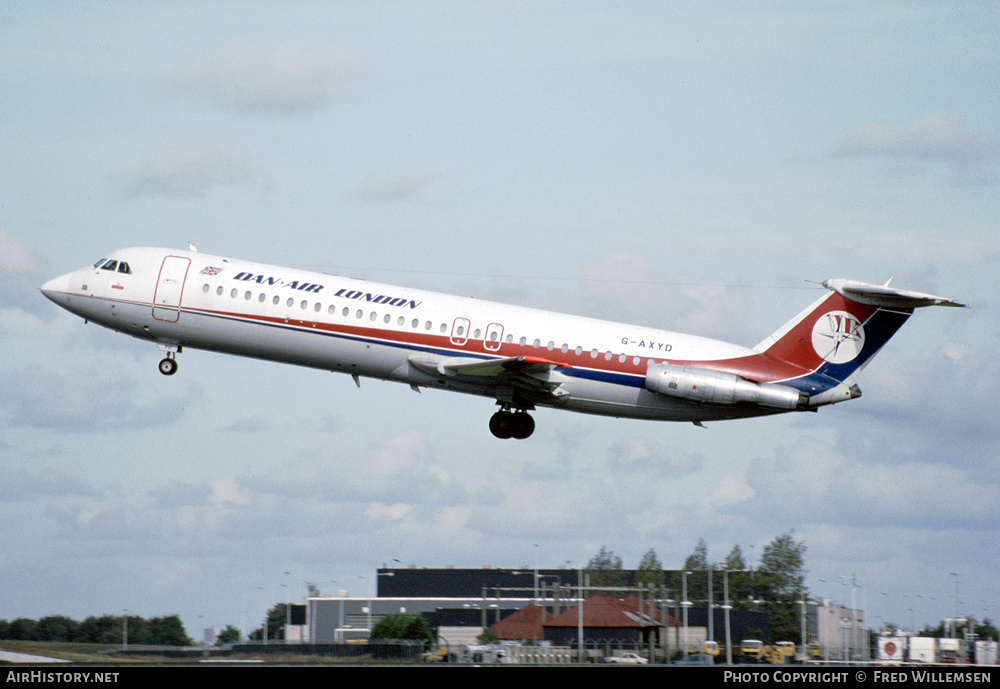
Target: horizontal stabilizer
{"x": 883, "y": 295}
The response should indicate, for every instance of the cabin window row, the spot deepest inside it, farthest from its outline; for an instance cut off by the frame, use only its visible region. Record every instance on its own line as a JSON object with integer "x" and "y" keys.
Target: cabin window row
{"x": 415, "y": 323}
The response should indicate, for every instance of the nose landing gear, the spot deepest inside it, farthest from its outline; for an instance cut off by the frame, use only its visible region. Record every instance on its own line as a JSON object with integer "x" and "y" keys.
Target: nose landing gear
{"x": 507, "y": 424}
{"x": 168, "y": 366}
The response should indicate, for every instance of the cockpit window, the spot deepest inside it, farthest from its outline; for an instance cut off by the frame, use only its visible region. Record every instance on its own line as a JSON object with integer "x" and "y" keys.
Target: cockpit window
{"x": 123, "y": 268}
{"x": 110, "y": 265}
{"x": 100, "y": 263}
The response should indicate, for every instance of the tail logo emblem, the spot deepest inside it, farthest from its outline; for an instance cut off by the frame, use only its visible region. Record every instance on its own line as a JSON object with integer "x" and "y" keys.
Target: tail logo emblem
{"x": 838, "y": 337}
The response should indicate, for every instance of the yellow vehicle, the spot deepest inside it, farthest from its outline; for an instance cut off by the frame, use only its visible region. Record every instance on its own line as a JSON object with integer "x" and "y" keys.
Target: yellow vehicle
{"x": 438, "y": 655}
{"x": 780, "y": 653}
{"x": 751, "y": 650}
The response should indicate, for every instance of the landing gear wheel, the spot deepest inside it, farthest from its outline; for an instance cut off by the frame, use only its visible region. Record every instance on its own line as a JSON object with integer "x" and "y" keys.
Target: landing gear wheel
{"x": 502, "y": 425}
{"x": 168, "y": 367}
{"x": 505, "y": 424}
{"x": 524, "y": 425}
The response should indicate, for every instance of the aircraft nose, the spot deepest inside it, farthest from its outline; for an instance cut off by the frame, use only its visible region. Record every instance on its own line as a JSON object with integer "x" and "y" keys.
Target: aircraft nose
{"x": 57, "y": 288}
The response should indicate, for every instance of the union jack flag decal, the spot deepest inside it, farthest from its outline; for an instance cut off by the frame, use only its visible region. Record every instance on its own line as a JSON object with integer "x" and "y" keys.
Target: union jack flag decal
{"x": 211, "y": 271}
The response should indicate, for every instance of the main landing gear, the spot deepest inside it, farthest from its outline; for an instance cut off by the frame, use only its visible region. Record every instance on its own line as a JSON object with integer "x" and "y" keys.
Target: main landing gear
{"x": 507, "y": 424}
{"x": 168, "y": 366}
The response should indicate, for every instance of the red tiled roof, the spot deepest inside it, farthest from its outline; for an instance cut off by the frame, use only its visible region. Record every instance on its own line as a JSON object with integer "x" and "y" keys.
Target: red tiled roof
{"x": 526, "y": 623}
{"x": 609, "y": 611}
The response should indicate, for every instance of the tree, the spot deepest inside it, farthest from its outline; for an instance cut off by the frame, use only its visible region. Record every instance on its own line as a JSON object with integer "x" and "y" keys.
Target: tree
{"x": 780, "y": 582}
{"x": 106, "y": 629}
{"x": 168, "y": 631}
{"x": 229, "y": 635}
{"x": 401, "y": 626}
{"x": 740, "y": 586}
{"x": 697, "y": 581}
{"x": 275, "y": 621}
{"x": 22, "y": 629}
{"x": 57, "y": 628}
{"x": 650, "y": 571}
{"x": 605, "y": 569}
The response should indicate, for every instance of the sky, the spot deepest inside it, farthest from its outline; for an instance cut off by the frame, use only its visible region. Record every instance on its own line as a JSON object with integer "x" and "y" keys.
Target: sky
{"x": 696, "y": 167}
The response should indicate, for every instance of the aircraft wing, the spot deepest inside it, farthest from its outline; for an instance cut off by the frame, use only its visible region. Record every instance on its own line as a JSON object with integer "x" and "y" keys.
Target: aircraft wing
{"x": 529, "y": 374}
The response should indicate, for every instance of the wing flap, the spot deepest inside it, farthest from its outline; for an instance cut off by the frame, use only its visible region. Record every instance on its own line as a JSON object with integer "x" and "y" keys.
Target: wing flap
{"x": 489, "y": 368}
{"x": 528, "y": 374}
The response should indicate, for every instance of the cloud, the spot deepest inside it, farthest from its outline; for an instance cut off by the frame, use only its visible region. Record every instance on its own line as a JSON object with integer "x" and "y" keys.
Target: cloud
{"x": 14, "y": 255}
{"x": 297, "y": 77}
{"x": 93, "y": 400}
{"x": 396, "y": 188}
{"x": 186, "y": 169}
{"x": 18, "y": 484}
{"x": 812, "y": 481}
{"x": 20, "y": 277}
{"x": 937, "y": 139}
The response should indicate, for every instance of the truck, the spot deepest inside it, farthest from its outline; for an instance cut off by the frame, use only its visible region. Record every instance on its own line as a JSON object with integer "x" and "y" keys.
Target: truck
{"x": 779, "y": 653}
{"x": 986, "y": 652}
{"x": 950, "y": 651}
{"x": 891, "y": 649}
{"x": 751, "y": 649}
{"x": 923, "y": 649}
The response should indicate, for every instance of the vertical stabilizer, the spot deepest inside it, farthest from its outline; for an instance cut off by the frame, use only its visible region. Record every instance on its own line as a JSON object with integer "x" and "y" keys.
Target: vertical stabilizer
{"x": 836, "y": 337}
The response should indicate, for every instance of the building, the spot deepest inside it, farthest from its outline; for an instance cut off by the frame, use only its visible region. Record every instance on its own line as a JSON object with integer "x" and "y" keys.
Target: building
{"x": 523, "y": 604}
{"x": 841, "y": 631}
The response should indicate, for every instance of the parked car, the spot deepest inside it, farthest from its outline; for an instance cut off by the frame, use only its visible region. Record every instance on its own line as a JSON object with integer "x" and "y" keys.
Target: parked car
{"x": 626, "y": 659}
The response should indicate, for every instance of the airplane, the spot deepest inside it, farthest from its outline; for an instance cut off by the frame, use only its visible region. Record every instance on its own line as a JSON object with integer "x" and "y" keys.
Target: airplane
{"x": 523, "y": 358}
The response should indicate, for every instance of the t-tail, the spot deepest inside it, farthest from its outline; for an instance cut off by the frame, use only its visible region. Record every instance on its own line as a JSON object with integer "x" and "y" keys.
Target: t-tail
{"x": 822, "y": 351}
{"x": 811, "y": 361}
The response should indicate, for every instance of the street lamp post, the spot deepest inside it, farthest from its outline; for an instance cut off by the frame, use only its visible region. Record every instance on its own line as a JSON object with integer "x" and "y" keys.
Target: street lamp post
{"x": 685, "y": 604}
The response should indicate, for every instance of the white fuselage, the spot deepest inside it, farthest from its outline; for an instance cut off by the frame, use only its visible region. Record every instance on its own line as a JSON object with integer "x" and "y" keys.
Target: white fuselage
{"x": 183, "y": 299}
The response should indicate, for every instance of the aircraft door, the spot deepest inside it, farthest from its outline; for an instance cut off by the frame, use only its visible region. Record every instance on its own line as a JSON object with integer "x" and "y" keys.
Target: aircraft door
{"x": 494, "y": 335}
{"x": 170, "y": 288}
{"x": 460, "y": 331}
